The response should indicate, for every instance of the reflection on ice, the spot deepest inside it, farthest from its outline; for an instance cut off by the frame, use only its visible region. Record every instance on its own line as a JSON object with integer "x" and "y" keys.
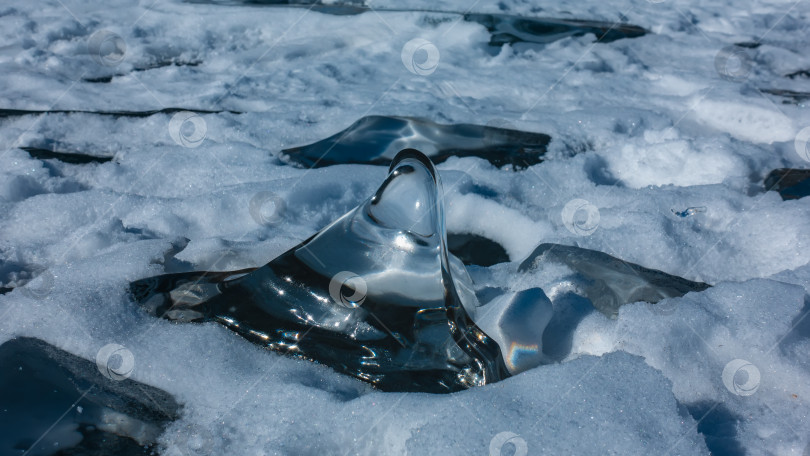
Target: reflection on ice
{"x": 517, "y": 322}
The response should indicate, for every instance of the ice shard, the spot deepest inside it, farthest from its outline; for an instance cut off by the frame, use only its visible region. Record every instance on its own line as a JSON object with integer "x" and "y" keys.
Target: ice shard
{"x": 55, "y": 403}
{"x": 517, "y": 322}
{"x": 376, "y": 140}
{"x": 375, "y": 294}
{"x": 791, "y": 183}
{"x": 503, "y": 28}
{"x": 606, "y": 281}
{"x": 510, "y": 29}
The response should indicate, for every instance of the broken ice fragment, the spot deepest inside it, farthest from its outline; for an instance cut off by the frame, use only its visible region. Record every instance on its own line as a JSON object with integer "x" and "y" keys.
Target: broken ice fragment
{"x": 509, "y": 29}
{"x": 504, "y": 28}
{"x": 789, "y": 96}
{"x": 517, "y": 322}
{"x": 55, "y": 403}
{"x": 376, "y": 139}
{"x": 375, "y": 294}
{"x": 791, "y": 183}
{"x": 606, "y": 281}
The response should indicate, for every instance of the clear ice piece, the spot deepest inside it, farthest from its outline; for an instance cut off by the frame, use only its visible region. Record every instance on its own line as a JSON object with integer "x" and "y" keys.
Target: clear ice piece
{"x": 377, "y": 139}
{"x": 607, "y": 281}
{"x": 375, "y": 294}
{"x": 517, "y": 321}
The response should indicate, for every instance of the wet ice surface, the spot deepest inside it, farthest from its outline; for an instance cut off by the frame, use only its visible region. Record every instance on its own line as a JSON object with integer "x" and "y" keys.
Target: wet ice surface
{"x": 641, "y": 128}
{"x": 504, "y": 28}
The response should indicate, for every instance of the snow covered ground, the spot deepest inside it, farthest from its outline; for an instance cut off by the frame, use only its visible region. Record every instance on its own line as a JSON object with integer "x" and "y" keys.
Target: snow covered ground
{"x": 641, "y": 127}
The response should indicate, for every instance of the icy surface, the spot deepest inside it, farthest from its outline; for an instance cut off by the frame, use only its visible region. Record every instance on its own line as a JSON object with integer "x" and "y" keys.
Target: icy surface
{"x": 640, "y": 127}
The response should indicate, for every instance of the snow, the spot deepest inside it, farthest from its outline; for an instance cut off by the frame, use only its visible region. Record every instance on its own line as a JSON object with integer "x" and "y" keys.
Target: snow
{"x": 640, "y": 127}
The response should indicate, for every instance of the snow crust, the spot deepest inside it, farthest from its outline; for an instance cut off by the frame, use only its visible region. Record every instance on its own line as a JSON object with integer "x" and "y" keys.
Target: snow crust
{"x": 640, "y": 127}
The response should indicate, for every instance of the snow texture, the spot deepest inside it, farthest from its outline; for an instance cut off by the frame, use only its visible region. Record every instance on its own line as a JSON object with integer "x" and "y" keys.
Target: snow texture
{"x": 640, "y": 127}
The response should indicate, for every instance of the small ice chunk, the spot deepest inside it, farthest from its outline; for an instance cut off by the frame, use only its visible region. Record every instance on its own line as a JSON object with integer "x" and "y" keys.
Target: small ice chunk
{"x": 689, "y": 211}
{"x": 607, "y": 281}
{"x": 517, "y": 321}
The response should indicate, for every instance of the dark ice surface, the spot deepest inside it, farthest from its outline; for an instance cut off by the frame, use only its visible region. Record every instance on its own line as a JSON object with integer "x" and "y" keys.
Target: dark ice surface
{"x": 73, "y": 158}
{"x": 509, "y": 29}
{"x": 607, "y": 281}
{"x": 791, "y": 183}
{"x": 718, "y": 426}
{"x": 377, "y": 139}
{"x": 788, "y": 96}
{"x": 56, "y": 403}
{"x": 475, "y": 249}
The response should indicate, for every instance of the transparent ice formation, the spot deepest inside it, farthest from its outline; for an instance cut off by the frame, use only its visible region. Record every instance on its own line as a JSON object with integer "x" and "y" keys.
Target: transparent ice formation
{"x": 606, "y": 281}
{"x": 377, "y": 139}
{"x": 517, "y": 322}
{"x": 375, "y": 294}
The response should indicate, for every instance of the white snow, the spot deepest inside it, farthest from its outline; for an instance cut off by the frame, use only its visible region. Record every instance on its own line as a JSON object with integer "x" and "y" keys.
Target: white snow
{"x": 640, "y": 127}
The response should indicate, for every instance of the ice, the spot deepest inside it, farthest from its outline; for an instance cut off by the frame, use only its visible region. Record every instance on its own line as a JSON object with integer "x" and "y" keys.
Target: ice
{"x": 517, "y": 322}
{"x": 607, "y": 282}
{"x": 377, "y": 139}
{"x": 790, "y": 183}
{"x": 112, "y": 414}
{"x": 505, "y": 28}
{"x": 694, "y": 114}
{"x": 515, "y": 29}
{"x": 473, "y": 249}
{"x": 375, "y": 294}
{"x": 705, "y": 333}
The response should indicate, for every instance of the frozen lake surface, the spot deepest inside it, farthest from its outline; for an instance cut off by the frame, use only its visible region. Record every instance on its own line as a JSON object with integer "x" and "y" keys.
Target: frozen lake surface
{"x": 151, "y": 138}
